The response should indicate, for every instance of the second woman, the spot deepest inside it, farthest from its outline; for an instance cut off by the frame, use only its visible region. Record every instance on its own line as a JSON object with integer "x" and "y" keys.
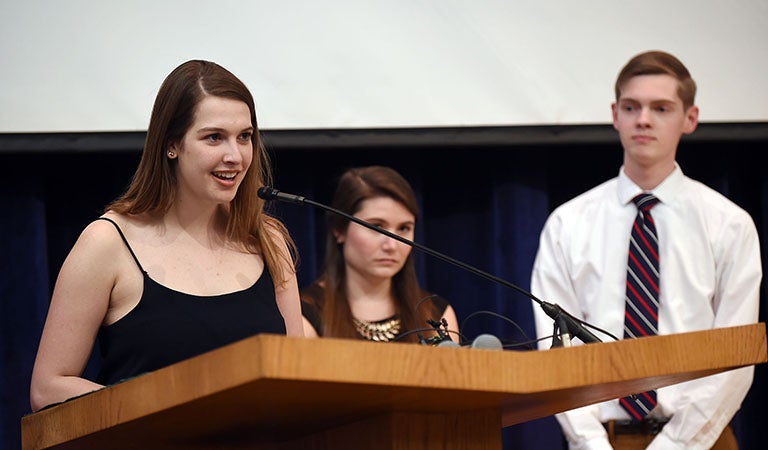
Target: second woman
{"x": 368, "y": 288}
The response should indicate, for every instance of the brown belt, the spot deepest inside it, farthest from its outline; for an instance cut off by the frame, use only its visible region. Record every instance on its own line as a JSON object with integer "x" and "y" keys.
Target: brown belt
{"x": 648, "y": 427}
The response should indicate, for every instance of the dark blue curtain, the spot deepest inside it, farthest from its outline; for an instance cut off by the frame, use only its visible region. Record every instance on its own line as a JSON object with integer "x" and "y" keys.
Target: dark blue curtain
{"x": 23, "y": 296}
{"x": 482, "y": 204}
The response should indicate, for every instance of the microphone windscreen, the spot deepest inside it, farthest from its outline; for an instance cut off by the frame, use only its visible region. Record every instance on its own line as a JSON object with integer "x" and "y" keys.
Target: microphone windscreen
{"x": 265, "y": 193}
{"x": 447, "y": 343}
{"x": 487, "y": 342}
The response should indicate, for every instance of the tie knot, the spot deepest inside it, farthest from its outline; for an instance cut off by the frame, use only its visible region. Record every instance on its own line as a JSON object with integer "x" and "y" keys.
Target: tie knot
{"x": 645, "y": 202}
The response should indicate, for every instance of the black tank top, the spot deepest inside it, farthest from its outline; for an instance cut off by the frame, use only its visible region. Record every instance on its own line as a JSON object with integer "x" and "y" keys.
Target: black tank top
{"x": 168, "y": 326}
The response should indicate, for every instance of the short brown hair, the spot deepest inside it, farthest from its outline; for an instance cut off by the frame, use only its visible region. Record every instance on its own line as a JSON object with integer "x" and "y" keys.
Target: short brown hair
{"x": 659, "y": 63}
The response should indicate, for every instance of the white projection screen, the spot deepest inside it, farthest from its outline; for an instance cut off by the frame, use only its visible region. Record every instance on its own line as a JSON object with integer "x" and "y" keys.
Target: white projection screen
{"x": 95, "y": 66}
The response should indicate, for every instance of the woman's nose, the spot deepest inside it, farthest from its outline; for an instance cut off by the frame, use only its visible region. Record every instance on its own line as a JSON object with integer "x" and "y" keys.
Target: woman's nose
{"x": 232, "y": 152}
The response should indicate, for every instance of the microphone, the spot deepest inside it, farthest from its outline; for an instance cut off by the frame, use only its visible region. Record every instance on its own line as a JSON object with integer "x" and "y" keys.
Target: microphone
{"x": 481, "y": 342}
{"x": 554, "y": 311}
{"x": 268, "y": 193}
{"x": 487, "y": 342}
{"x": 569, "y": 326}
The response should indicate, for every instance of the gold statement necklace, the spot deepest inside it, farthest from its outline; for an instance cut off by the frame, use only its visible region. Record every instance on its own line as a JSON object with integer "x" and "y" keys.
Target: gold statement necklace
{"x": 382, "y": 331}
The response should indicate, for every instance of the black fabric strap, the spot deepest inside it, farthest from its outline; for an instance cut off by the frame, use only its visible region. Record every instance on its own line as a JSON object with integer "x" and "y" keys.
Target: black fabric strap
{"x": 124, "y": 240}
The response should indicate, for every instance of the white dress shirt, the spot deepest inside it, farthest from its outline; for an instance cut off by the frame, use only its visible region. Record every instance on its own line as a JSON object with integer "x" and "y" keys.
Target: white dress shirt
{"x": 710, "y": 274}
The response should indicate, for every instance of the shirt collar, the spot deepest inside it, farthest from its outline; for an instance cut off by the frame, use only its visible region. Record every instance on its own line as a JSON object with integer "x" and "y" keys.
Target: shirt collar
{"x": 666, "y": 191}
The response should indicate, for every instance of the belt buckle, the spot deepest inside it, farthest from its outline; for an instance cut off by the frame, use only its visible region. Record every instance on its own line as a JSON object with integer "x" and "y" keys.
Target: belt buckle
{"x": 654, "y": 426}
{"x": 648, "y": 426}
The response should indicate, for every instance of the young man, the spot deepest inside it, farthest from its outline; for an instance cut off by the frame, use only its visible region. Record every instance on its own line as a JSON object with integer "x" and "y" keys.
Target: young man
{"x": 683, "y": 259}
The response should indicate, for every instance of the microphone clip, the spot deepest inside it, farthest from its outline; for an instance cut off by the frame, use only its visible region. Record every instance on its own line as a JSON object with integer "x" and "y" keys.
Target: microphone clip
{"x": 441, "y": 328}
{"x": 561, "y": 337}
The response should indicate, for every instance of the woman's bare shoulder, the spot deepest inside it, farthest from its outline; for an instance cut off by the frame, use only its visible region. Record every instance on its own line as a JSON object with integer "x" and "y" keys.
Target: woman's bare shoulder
{"x": 106, "y": 235}
{"x": 98, "y": 238}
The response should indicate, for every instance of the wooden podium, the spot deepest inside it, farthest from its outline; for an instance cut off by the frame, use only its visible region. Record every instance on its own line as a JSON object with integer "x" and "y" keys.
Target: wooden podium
{"x": 274, "y": 392}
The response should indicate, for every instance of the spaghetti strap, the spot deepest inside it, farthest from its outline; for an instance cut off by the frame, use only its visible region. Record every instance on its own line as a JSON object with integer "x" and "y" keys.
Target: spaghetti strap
{"x": 124, "y": 240}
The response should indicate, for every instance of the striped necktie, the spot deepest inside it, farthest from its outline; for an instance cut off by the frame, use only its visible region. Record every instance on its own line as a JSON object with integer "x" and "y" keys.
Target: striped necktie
{"x": 642, "y": 300}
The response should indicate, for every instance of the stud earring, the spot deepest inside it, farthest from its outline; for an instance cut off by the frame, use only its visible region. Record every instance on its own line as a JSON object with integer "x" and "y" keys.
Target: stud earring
{"x": 171, "y": 154}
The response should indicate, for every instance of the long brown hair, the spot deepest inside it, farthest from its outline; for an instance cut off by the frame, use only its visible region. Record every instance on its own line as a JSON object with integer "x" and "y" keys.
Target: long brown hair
{"x": 355, "y": 186}
{"x": 153, "y": 188}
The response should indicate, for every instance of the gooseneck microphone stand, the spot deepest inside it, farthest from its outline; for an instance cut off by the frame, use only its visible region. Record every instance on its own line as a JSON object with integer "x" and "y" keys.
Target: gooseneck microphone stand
{"x": 567, "y": 324}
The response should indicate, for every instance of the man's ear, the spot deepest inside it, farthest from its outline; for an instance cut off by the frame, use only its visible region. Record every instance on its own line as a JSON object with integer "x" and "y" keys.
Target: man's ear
{"x": 691, "y": 119}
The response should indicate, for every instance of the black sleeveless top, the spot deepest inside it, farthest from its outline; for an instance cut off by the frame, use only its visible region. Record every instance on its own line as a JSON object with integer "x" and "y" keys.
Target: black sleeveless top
{"x": 168, "y": 326}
